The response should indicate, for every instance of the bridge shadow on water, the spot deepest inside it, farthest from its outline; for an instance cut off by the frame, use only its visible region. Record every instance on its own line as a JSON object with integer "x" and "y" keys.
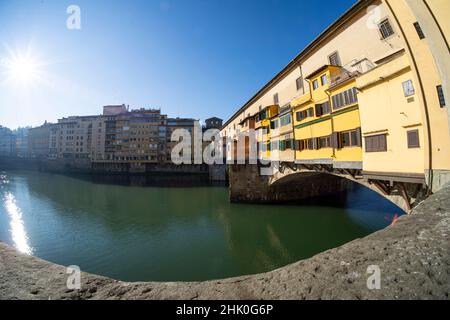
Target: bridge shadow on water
{"x": 360, "y": 203}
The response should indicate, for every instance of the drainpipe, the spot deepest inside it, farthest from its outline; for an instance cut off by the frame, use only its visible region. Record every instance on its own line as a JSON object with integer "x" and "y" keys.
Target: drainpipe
{"x": 427, "y": 114}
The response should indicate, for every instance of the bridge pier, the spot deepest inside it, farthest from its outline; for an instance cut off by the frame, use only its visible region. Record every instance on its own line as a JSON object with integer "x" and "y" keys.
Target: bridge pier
{"x": 248, "y": 185}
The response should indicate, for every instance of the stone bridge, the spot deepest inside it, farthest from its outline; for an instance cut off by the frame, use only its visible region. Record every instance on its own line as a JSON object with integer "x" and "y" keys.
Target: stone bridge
{"x": 287, "y": 182}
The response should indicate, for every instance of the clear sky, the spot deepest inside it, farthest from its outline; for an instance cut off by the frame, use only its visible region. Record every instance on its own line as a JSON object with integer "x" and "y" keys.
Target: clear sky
{"x": 191, "y": 58}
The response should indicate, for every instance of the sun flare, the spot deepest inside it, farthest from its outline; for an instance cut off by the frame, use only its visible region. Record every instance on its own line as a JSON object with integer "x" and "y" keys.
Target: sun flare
{"x": 23, "y": 69}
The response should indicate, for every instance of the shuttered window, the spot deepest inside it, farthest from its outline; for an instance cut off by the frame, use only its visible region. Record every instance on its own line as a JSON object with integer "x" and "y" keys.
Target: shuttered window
{"x": 377, "y": 143}
{"x": 301, "y": 145}
{"x": 386, "y": 29}
{"x": 276, "y": 100}
{"x": 413, "y": 139}
{"x": 310, "y": 112}
{"x": 322, "y": 109}
{"x": 299, "y": 83}
{"x": 324, "y": 142}
{"x": 344, "y": 99}
{"x": 334, "y": 59}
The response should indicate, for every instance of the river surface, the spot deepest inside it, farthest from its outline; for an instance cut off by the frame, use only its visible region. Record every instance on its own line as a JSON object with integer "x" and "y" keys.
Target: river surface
{"x": 135, "y": 233}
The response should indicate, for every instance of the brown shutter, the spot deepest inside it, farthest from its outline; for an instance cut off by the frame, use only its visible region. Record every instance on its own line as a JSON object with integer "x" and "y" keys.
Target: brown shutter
{"x": 335, "y": 140}
{"x": 413, "y": 139}
{"x": 358, "y": 137}
{"x": 383, "y": 142}
{"x": 318, "y": 110}
{"x": 316, "y": 143}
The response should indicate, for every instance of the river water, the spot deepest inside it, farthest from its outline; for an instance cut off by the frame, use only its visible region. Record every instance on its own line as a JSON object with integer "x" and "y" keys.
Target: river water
{"x": 157, "y": 233}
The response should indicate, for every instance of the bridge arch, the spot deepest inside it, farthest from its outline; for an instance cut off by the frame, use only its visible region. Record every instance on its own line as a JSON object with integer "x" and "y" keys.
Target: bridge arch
{"x": 292, "y": 182}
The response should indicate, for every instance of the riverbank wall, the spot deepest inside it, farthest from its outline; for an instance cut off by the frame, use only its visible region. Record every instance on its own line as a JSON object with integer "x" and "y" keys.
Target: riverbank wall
{"x": 214, "y": 173}
{"x": 411, "y": 259}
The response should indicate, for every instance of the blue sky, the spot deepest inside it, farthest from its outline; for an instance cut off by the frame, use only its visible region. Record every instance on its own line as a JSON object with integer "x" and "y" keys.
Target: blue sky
{"x": 191, "y": 58}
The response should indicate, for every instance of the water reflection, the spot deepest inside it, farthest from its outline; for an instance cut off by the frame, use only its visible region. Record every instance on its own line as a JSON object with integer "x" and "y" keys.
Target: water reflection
{"x": 132, "y": 233}
{"x": 18, "y": 233}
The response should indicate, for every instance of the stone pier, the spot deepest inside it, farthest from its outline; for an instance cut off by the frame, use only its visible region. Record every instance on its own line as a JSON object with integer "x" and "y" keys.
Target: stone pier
{"x": 248, "y": 185}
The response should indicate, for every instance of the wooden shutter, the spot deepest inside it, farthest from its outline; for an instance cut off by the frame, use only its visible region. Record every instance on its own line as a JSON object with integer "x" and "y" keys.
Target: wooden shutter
{"x": 326, "y": 108}
{"x": 413, "y": 139}
{"x": 335, "y": 140}
{"x": 376, "y": 143}
{"x": 318, "y": 110}
{"x": 310, "y": 112}
{"x": 358, "y": 137}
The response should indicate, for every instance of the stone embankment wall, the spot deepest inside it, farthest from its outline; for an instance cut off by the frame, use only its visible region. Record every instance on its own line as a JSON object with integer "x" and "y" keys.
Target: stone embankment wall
{"x": 413, "y": 257}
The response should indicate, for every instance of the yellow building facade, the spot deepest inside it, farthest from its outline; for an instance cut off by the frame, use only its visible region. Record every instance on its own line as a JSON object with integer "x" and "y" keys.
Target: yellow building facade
{"x": 369, "y": 94}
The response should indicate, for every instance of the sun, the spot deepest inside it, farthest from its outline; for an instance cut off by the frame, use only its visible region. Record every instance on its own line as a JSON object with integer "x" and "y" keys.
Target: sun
{"x": 22, "y": 69}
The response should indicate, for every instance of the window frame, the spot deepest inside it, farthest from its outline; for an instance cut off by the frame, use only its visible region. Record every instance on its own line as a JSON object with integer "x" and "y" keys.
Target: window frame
{"x": 316, "y": 84}
{"x": 336, "y": 54}
{"x": 381, "y": 23}
{"x": 322, "y": 77}
{"x": 409, "y": 93}
{"x": 410, "y": 143}
{"x": 372, "y": 149}
{"x": 299, "y": 83}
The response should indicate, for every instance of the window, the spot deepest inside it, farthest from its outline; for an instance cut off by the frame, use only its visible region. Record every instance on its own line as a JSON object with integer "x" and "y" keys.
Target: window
{"x": 350, "y": 138}
{"x": 408, "y": 88}
{"x": 413, "y": 139}
{"x": 345, "y": 98}
{"x": 345, "y": 139}
{"x": 301, "y": 115}
{"x": 289, "y": 143}
{"x": 285, "y": 120}
{"x": 441, "y": 96}
{"x": 276, "y": 99}
{"x": 419, "y": 30}
{"x": 386, "y": 29}
{"x": 324, "y": 79}
{"x": 315, "y": 84}
{"x": 299, "y": 83}
{"x": 377, "y": 143}
{"x": 322, "y": 109}
{"x": 274, "y": 124}
{"x": 324, "y": 142}
{"x": 310, "y": 144}
{"x": 300, "y": 145}
{"x": 334, "y": 59}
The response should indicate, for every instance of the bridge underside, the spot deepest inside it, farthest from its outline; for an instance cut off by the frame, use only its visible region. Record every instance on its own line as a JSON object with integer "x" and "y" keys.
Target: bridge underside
{"x": 292, "y": 182}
